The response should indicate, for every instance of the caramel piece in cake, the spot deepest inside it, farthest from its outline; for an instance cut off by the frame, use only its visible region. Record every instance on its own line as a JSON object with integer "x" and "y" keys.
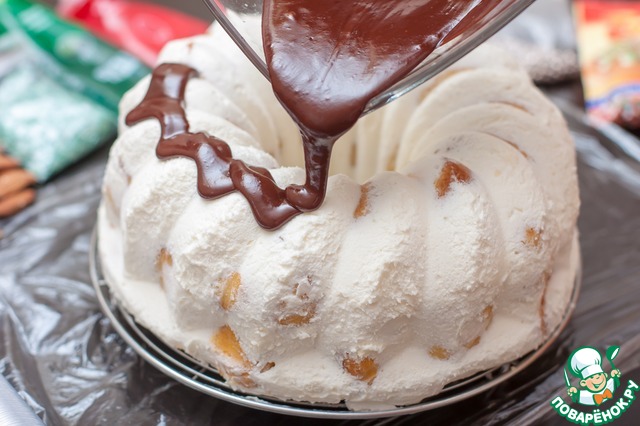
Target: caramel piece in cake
{"x": 268, "y": 366}
{"x": 451, "y": 172}
{"x": 242, "y": 379}
{"x": 438, "y": 352}
{"x": 230, "y": 291}
{"x": 164, "y": 258}
{"x": 391, "y": 162}
{"x": 353, "y": 157}
{"x": 364, "y": 369}
{"x": 299, "y": 319}
{"x": 473, "y": 342}
{"x": 303, "y": 309}
{"x": 225, "y": 341}
{"x": 532, "y": 238}
{"x": 487, "y": 316}
{"x": 546, "y": 277}
{"x": 363, "y": 205}
{"x": 111, "y": 204}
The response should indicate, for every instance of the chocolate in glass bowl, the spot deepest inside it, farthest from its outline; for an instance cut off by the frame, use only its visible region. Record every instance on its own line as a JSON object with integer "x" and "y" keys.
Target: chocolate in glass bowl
{"x": 234, "y": 17}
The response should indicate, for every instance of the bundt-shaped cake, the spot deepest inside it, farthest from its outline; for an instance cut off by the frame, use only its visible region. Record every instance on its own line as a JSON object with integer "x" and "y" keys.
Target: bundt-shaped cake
{"x": 446, "y": 243}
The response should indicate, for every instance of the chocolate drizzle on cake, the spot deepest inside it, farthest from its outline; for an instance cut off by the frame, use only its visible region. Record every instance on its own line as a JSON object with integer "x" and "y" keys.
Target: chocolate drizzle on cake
{"x": 218, "y": 172}
{"x": 326, "y": 59}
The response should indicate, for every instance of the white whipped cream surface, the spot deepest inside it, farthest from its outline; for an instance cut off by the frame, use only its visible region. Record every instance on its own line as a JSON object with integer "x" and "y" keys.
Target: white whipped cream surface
{"x": 446, "y": 244}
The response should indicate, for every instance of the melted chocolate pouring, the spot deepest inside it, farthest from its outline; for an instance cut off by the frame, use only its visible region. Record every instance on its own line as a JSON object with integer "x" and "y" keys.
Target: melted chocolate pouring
{"x": 327, "y": 59}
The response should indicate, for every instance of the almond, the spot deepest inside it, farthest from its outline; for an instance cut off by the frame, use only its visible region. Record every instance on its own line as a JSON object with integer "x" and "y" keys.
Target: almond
{"x": 438, "y": 352}
{"x": 226, "y": 341}
{"x": 364, "y": 369}
{"x": 301, "y": 318}
{"x": 362, "y": 208}
{"x": 533, "y": 238}
{"x": 230, "y": 292}
{"x": 163, "y": 258}
{"x": 268, "y": 366}
{"x": 451, "y": 172}
{"x": 473, "y": 342}
{"x": 487, "y": 316}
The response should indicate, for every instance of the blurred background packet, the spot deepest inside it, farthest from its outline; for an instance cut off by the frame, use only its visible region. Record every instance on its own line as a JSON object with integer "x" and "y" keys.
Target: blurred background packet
{"x": 60, "y": 85}
{"x": 608, "y": 35}
{"x": 59, "y": 93}
{"x": 139, "y": 28}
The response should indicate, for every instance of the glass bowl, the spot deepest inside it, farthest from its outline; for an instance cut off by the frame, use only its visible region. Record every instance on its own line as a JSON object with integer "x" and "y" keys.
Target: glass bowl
{"x": 240, "y": 18}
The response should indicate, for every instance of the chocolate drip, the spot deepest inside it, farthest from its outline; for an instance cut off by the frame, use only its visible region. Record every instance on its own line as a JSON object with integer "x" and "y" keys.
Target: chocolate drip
{"x": 317, "y": 154}
{"x": 218, "y": 172}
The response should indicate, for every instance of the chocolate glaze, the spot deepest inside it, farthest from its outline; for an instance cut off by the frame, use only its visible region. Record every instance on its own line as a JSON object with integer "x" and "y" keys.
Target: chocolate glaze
{"x": 218, "y": 172}
{"x": 327, "y": 59}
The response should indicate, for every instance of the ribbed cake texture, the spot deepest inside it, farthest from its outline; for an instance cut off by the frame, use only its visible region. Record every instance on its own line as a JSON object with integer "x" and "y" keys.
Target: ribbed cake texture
{"x": 446, "y": 245}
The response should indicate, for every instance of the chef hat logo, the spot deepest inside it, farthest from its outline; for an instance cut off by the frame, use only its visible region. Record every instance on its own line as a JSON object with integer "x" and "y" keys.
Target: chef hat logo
{"x": 585, "y": 362}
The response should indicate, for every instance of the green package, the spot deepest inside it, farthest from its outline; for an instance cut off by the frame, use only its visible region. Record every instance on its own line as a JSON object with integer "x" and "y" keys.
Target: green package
{"x": 59, "y": 87}
{"x": 47, "y": 127}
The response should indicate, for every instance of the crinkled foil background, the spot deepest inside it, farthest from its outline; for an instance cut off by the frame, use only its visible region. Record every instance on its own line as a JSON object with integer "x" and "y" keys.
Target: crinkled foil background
{"x": 65, "y": 360}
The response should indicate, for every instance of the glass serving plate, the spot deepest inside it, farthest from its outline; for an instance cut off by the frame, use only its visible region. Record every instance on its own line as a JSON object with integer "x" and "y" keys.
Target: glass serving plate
{"x": 238, "y": 16}
{"x": 206, "y": 379}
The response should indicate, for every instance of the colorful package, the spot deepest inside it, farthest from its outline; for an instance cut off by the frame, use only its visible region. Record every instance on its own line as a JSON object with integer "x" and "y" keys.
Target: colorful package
{"x": 140, "y": 28}
{"x": 59, "y": 88}
{"x": 45, "y": 126}
{"x": 609, "y": 49}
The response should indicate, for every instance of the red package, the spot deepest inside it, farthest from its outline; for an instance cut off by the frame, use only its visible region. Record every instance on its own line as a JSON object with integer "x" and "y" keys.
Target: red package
{"x": 140, "y": 28}
{"x": 609, "y": 47}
